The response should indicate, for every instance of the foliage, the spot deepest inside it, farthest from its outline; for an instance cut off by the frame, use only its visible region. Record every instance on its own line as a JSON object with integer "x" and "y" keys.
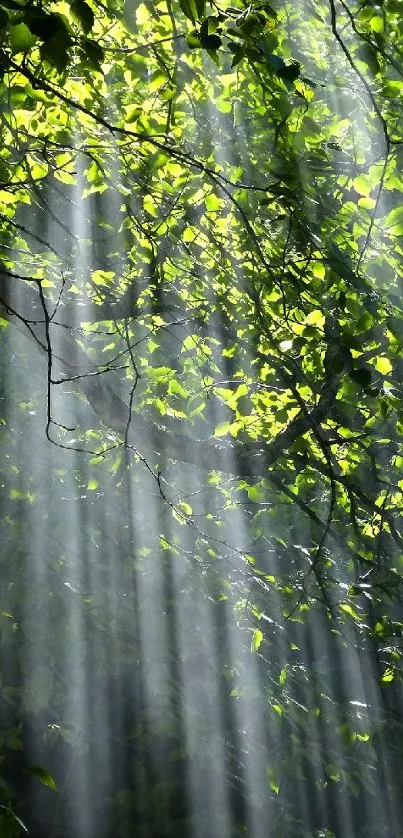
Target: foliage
{"x": 201, "y": 225}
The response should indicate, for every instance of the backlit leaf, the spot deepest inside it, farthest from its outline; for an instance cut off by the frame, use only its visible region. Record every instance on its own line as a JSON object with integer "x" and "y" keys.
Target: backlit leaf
{"x": 45, "y": 778}
{"x": 256, "y": 641}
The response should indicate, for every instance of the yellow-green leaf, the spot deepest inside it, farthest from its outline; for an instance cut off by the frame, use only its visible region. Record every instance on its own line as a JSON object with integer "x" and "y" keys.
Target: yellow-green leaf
{"x": 257, "y": 638}
{"x": 383, "y": 365}
{"x": 363, "y": 185}
{"x": 43, "y": 776}
{"x": 222, "y": 429}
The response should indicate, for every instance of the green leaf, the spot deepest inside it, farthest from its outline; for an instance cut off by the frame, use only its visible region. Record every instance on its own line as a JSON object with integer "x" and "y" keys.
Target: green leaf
{"x": 257, "y": 638}
{"x": 348, "y": 609}
{"x": 209, "y": 26}
{"x": 367, "y": 54}
{"x": 21, "y": 38}
{"x": 249, "y": 23}
{"x": 43, "y": 776}
{"x": 193, "y": 40}
{"x": 393, "y": 90}
{"x": 222, "y": 429}
{"x": 394, "y": 221}
{"x": 289, "y": 72}
{"x": 212, "y": 202}
{"x": 210, "y": 42}
{"x": 45, "y": 26}
{"x": 185, "y": 508}
{"x": 83, "y": 14}
{"x": 201, "y": 8}
{"x": 176, "y": 389}
{"x": 361, "y": 376}
{"x": 4, "y": 172}
{"x": 255, "y": 493}
{"x": 94, "y": 53}
{"x": 190, "y": 9}
{"x": 333, "y": 772}
{"x": 272, "y": 771}
{"x": 363, "y": 185}
{"x": 244, "y": 405}
{"x": 239, "y": 54}
{"x": 55, "y": 54}
{"x": 318, "y": 269}
{"x": 383, "y": 365}
{"x": 377, "y": 24}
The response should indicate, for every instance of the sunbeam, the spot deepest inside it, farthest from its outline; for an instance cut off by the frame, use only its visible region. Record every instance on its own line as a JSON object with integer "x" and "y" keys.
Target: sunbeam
{"x": 200, "y": 403}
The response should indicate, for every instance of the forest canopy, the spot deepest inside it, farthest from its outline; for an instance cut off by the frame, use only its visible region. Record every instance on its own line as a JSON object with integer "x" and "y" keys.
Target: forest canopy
{"x": 202, "y": 420}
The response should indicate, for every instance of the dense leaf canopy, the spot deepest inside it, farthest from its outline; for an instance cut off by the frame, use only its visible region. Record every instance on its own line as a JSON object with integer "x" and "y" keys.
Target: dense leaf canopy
{"x": 202, "y": 363}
